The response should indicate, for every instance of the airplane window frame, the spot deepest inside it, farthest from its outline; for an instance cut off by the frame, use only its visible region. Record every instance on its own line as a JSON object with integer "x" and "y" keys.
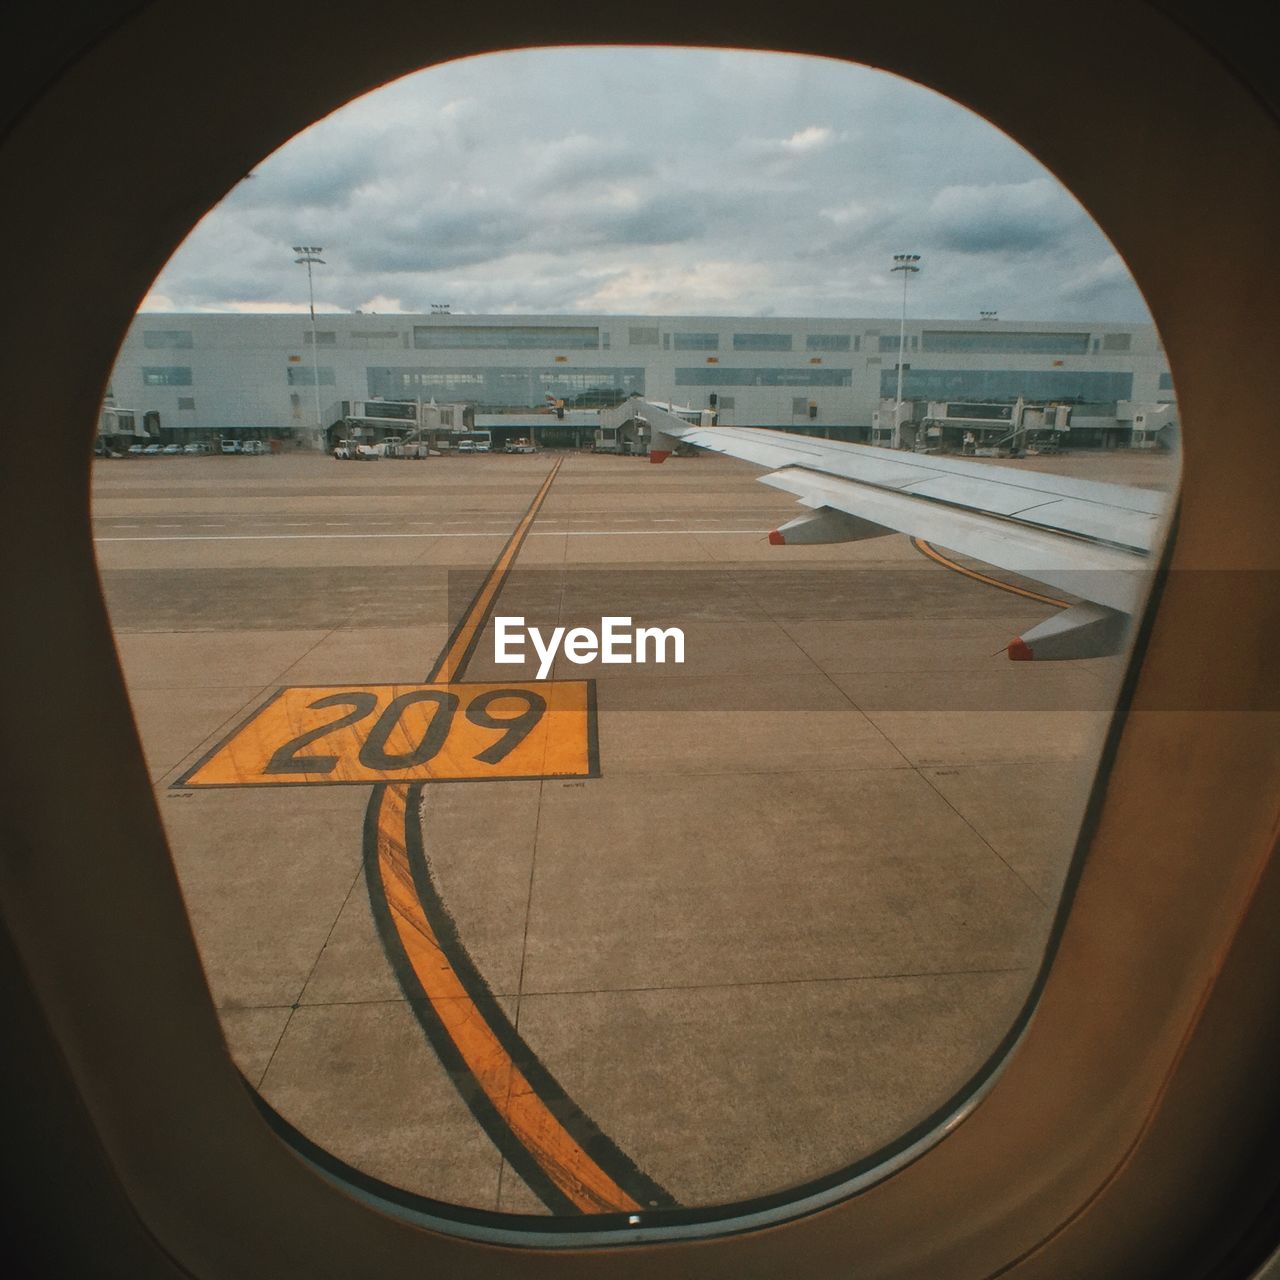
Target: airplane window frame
{"x": 242, "y": 1197}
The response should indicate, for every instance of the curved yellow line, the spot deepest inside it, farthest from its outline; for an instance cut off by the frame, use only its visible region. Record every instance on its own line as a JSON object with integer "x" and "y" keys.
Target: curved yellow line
{"x": 531, "y": 1121}
{"x": 934, "y": 554}
{"x": 558, "y": 1154}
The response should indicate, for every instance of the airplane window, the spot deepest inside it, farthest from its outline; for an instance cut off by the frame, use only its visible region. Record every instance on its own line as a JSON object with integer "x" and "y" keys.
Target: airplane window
{"x": 613, "y": 780}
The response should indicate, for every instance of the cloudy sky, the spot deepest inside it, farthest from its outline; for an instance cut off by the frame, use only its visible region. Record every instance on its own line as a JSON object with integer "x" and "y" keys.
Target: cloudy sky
{"x": 669, "y": 181}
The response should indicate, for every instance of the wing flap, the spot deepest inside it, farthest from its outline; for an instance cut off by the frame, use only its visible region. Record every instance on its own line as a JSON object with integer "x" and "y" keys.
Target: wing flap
{"x": 1088, "y": 570}
{"x": 1122, "y": 515}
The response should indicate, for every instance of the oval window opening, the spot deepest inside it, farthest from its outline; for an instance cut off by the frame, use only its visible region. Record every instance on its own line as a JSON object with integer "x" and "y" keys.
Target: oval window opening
{"x": 573, "y": 826}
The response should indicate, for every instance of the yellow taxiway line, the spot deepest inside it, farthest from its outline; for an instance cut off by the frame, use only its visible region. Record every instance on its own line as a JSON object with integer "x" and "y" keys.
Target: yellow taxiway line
{"x": 561, "y": 1157}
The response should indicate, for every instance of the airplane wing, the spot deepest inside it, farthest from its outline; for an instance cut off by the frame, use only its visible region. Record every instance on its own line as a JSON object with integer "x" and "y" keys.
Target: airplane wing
{"x": 1089, "y": 539}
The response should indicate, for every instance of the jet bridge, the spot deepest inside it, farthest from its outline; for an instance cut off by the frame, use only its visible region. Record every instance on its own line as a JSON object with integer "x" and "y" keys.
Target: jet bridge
{"x": 637, "y": 425}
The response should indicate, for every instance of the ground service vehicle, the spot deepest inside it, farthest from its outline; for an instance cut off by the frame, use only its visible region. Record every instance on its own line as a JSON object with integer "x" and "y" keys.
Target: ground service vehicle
{"x": 1133, "y": 1129}
{"x": 395, "y": 447}
{"x": 354, "y": 451}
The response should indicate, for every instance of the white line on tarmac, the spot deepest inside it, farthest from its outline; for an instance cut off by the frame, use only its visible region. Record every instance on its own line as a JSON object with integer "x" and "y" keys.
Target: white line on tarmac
{"x": 536, "y": 533}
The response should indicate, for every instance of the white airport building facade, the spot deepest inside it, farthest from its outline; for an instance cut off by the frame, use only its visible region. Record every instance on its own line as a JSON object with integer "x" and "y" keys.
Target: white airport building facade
{"x": 210, "y": 376}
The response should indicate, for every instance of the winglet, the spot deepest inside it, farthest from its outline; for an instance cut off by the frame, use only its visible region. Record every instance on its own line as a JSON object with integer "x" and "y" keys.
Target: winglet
{"x": 1020, "y": 651}
{"x": 777, "y": 538}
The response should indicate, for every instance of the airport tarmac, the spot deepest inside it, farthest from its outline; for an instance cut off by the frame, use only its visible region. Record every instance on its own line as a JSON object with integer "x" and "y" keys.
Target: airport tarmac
{"x": 705, "y": 932}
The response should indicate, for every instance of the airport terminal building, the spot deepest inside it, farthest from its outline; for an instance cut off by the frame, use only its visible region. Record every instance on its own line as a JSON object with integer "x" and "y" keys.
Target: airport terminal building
{"x": 212, "y": 375}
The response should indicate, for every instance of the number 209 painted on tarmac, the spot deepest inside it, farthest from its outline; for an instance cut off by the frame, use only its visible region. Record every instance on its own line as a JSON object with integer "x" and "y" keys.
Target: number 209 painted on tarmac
{"x": 409, "y": 733}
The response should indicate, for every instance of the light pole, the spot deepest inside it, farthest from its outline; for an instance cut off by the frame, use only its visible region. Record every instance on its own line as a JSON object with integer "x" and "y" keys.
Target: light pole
{"x": 906, "y": 263}
{"x": 308, "y": 254}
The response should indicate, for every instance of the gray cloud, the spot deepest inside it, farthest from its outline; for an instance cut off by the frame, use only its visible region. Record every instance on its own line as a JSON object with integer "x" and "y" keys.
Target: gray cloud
{"x": 1010, "y": 217}
{"x": 581, "y": 161}
{"x": 676, "y": 180}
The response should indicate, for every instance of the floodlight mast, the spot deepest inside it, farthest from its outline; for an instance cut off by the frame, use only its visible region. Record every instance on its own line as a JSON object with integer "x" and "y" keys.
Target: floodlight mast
{"x": 906, "y": 263}
{"x": 308, "y": 254}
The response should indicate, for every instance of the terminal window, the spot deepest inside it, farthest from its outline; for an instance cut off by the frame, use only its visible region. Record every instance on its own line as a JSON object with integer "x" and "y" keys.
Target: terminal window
{"x": 697, "y": 342}
{"x": 762, "y": 342}
{"x": 986, "y": 342}
{"x": 889, "y": 342}
{"x": 157, "y": 338}
{"x": 1009, "y": 384}
{"x": 471, "y": 337}
{"x": 167, "y": 376}
{"x": 724, "y": 376}
{"x": 371, "y": 340}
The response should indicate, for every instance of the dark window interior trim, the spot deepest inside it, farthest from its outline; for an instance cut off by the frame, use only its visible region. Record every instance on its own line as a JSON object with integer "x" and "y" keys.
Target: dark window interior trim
{"x": 1129, "y": 1138}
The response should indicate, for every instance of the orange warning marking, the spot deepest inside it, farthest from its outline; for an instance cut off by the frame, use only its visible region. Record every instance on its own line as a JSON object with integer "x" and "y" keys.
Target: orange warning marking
{"x": 409, "y": 733}
{"x": 572, "y": 1170}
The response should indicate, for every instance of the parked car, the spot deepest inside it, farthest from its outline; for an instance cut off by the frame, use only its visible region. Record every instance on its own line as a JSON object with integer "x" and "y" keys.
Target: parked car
{"x": 196, "y": 447}
{"x": 229, "y": 446}
{"x": 253, "y": 446}
{"x": 153, "y": 451}
{"x": 171, "y": 449}
{"x": 134, "y": 451}
{"x": 467, "y": 446}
